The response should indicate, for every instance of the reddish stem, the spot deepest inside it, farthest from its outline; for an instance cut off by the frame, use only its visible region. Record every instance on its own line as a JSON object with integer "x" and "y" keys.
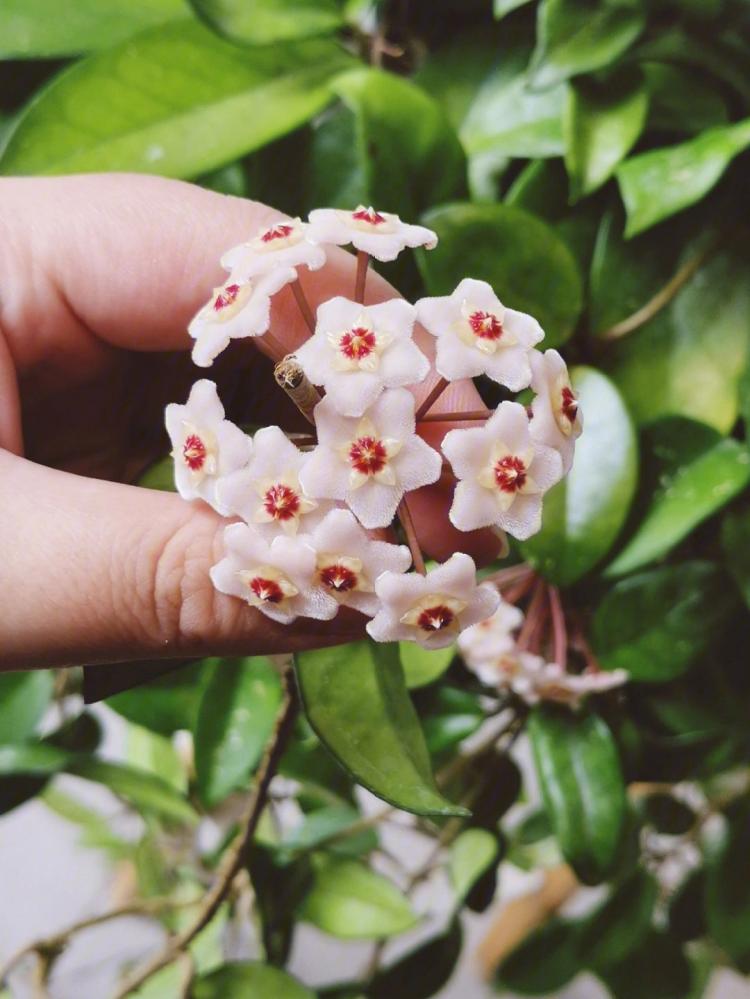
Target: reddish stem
{"x": 303, "y": 305}
{"x": 534, "y": 616}
{"x": 404, "y": 516}
{"x": 559, "y": 629}
{"x": 519, "y": 591}
{"x": 437, "y": 390}
{"x": 469, "y": 416}
{"x": 276, "y": 348}
{"x": 363, "y": 261}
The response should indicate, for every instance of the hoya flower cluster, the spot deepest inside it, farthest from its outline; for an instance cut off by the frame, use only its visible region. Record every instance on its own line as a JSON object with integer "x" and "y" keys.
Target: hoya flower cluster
{"x": 302, "y": 543}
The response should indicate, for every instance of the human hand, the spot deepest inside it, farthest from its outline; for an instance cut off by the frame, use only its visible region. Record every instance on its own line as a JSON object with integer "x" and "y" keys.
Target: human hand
{"x": 99, "y": 276}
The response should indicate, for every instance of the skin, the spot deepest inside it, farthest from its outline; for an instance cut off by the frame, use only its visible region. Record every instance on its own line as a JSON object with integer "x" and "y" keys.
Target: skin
{"x": 99, "y": 277}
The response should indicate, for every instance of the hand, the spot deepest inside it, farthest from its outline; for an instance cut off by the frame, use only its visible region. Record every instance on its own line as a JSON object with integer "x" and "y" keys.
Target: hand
{"x": 99, "y": 276}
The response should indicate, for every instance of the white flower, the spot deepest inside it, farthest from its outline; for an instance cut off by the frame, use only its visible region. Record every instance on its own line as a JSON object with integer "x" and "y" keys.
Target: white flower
{"x": 431, "y": 609}
{"x": 285, "y": 243}
{"x": 556, "y": 418}
{"x": 205, "y": 446}
{"x": 267, "y": 493}
{"x": 532, "y": 678}
{"x": 236, "y": 309}
{"x": 356, "y": 352}
{"x": 502, "y": 472}
{"x": 279, "y": 578}
{"x": 476, "y": 335}
{"x": 349, "y": 562}
{"x": 370, "y": 462}
{"x": 482, "y": 643}
{"x": 380, "y": 234}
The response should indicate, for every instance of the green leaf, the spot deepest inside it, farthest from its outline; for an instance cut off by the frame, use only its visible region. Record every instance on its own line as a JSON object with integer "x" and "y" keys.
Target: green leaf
{"x": 656, "y": 624}
{"x": 735, "y": 542}
{"x": 422, "y": 666}
{"x": 527, "y": 264}
{"x": 248, "y": 980}
{"x": 321, "y": 824}
{"x": 727, "y": 896}
{"x": 577, "y": 36}
{"x": 582, "y": 787}
{"x": 617, "y": 926}
{"x": 235, "y": 720}
{"x": 144, "y": 791}
{"x": 544, "y": 962}
{"x": 166, "y": 704}
{"x": 279, "y": 887}
{"x": 422, "y": 972}
{"x": 661, "y": 182}
{"x": 601, "y": 124}
{"x": 352, "y": 902}
{"x": 147, "y": 750}
{"x": 356, "y": 700}
{"x": 584, "y": 514}
{"x": 471, "y": 855}
{"x": 680, "y": 101}
{"x": 263, "y": 22}
{"x": 46, "y": 28}
{"x": 24, "y": 698}
{"x": 32, "y": 759}
{"x": 694, "y": 493}
{"x": 656, "y": 968}
{"x": 175, "y": 100}
{"x": 502, "y": 7}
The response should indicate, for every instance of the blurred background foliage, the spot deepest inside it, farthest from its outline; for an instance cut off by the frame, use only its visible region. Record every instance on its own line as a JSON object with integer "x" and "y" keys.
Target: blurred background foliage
{"x": 588, "y": 158}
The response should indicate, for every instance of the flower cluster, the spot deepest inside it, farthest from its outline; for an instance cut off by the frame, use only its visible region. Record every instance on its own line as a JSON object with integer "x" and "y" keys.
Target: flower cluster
{"x": 301, "y": 546}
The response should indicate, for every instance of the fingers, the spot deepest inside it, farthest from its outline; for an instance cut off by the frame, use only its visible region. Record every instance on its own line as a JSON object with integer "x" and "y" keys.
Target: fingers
{"x": 96, "y": 572}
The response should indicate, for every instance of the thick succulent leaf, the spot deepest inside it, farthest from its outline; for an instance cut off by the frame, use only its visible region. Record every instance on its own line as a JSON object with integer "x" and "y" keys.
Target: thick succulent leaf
{"x": 422, "y": 972}
{"x": 24, "y": 698}
{"x": 423, "y": 666}
{"x": 542, "y": 963}
{"x": 263, "y": 22}
{"x": 248, "y": 980}
{"x": 470, "y": 857}
{"x": 619, "y": 924}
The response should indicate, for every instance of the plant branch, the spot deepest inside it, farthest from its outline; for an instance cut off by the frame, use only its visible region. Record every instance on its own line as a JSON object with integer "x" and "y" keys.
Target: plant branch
{"x": 437, "y": 390}
{"x": 467, "y": 417}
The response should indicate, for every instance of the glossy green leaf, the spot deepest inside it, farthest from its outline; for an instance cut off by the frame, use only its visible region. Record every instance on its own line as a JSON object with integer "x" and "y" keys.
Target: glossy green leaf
{"x": 147, "y": 750}
{"x": 144, "y": 791}
{"x": 601, "y": 123}
{"x": 279, "y": 886}
{"x": 584, "y": 514}
{"x": 656, "y": 624}
{"x": 661, "y": 182}
{"x": 175, "y": 100}
{"x": 695, "y": 492}
{"x": 544, "y": 962}
{"x": 577, "y": 36}
{"x": 32, "y": 759}
{"x": 352, "y": 902}
{"x": 24, "y": 698}
{"x": 728, "y": 888}
{"x": 656, "y": 968}
{"x": 248, "y": 980}
{"x": 617, "y": 926}
{"x": 502, "y": 7}
{"x": 735, "y": 541}
{"x": 166, "y": 704}
{"x": 323, "y": 824}
{"x": 263, "y": 22}
{"x": 423, "y": 666}
{"x": 470, "y": 857}
{"x": 527, "y": 264}
{"x": 235, "y": 720}
{"x": 422, "y": 972}
{"x": 704, "y": 55}
{"x": 681, "y": 101}
{"x": 582, "y": 787}
{"x": 356, "y": 700}
{"x": 46, "y": 28}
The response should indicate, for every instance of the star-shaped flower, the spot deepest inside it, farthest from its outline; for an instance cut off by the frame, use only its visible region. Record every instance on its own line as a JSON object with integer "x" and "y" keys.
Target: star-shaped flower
{"x": 503, "y": 473}
{"x": 285, "y": 243}
{"x": 267, "y": 493}
{"x": 557, "y": 420}
{"x": 236, "y": 309}
{"x": 349, "y": 562}
{"x": 370, "y": 462}
{"x": 482, "y": 643}
{"x": 380, "y": 234}
{"x": 356, "y": 352}
{"x": 278, "y": 578}
{"x": 205, "y": 446}
{"x": 534, "y": 679}
{"x": 477, "y": 335}
{"x": 432, "y": 609}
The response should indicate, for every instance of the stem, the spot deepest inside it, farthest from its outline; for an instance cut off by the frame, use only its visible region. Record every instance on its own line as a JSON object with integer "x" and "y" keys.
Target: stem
{"x": 559, "y": 630}
{"x": 467, "y": 417}
{"x": 276, "y": 348}
{"x": 534, "y": 616}
{"x": 293, "y": 380}
{"x": 437, "y": 390}
{"x": 519, "y": 591}
{"x": 511, "y": 574}
{"x": 404, "y": 515}
{"x": 363, "y": 261}
{"x": 303, "y": 305}
{"x": 235, "y": 856}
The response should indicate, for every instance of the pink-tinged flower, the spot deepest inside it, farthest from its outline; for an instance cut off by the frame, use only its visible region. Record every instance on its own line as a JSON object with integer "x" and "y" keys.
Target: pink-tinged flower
{"x": 380, "y": 234}
{"x": 267, "y": 493}
{"x": 477, "y": 335}
{"x": 356, "y": 352}
{"x": 433, "y": 609}
{"x": 482, "y": 643}
{"x": 534, "y": 679}
{"x": 369, "y": 462}
{"x": 277, "y": 577}
{"x": 285, "y": 243}
{"x": 503, "y": 473}
{"x": 557, "y": 419}
{"x": 349, "y": 562}
{"x": 236, "y": 309}
{"x": 205, "y": 446}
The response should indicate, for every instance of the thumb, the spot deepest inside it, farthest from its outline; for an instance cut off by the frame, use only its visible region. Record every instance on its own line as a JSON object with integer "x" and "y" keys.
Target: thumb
{"x": 96, "y": 571}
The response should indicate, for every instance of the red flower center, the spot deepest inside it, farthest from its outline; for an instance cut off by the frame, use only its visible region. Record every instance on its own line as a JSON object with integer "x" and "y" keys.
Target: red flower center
{"x": 226, "y": 297}
{"x": 436, "y": 618}
{"x": 338, "y": 577}
{"x": 279, "y": 231}
{"x": 194, "y": 452}
{"x": 357, "y": 343}
{"x": 510, "y": 474}
{"x": 368, "y": 455}
{"x": 485, "y": 325}
{"x": 368, "y": 215}
{"x": 267, "y": 590}
{"x": 569, "y": 404}
{"x": 281, "y": 502}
